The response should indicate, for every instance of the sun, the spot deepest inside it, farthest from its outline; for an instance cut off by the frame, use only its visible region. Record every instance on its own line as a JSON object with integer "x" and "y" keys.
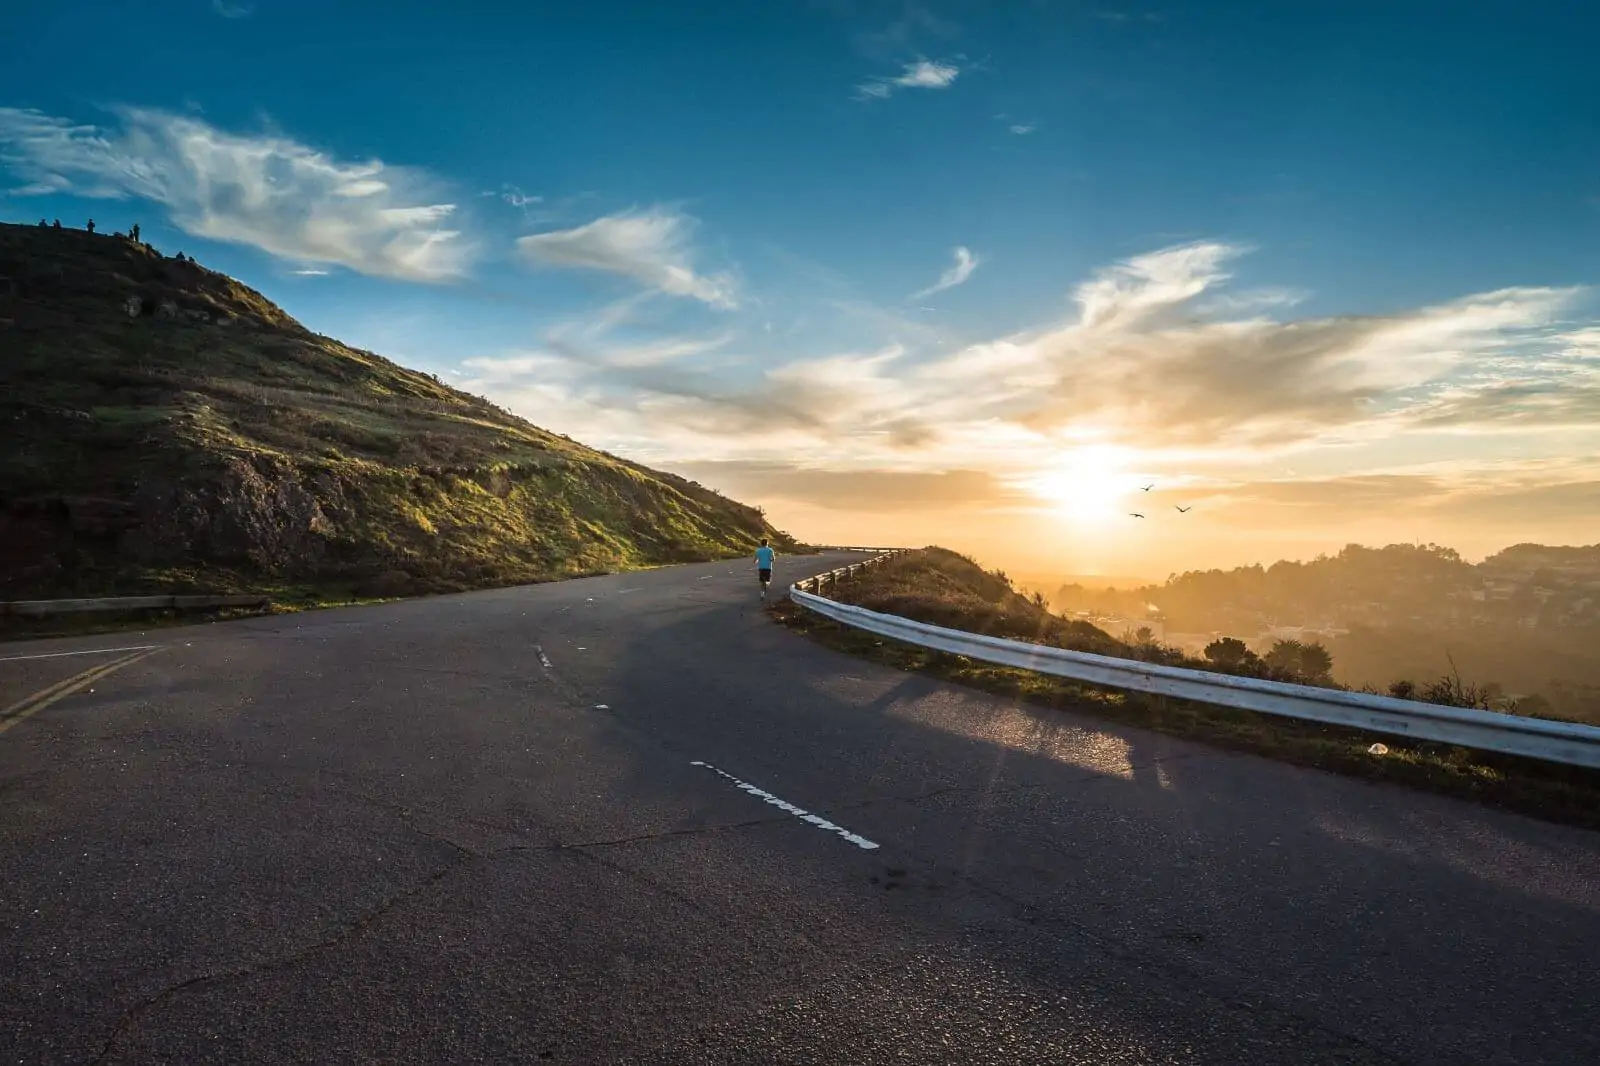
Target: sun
{"x": 1088, "y": 485}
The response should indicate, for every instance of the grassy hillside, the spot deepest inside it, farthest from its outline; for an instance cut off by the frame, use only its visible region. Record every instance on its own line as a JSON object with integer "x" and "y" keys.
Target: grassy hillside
{"x": 167, "y": 428}
{"x": 944, "y": 588}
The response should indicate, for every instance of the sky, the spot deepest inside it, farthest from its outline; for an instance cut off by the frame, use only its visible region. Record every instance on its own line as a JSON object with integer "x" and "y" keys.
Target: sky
{"x": 998, "y": 276}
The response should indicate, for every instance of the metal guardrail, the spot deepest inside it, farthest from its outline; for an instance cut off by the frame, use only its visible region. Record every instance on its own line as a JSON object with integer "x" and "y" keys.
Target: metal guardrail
{"x": 821, "y": 581}
{"x": 39, "y": 608}
{"x": 1534, "y": 738}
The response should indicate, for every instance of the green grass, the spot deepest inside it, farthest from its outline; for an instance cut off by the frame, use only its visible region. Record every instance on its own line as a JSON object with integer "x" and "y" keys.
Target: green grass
{"x": 943, "y": 588}
{"x": 143, "y": 452}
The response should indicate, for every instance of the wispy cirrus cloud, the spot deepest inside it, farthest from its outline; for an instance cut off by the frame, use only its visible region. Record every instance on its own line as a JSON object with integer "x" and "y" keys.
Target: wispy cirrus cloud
{"x": 899, "y": 37}
{"x": 923, "y": 74}
{"x": 650, "y": 246}
{"x": 233, "y": 9}
{"x": 1142, "y": 362}
{"x": 513, "y": 195}
{"x": 1150, "y": 359}
{"x": 957, "y": 273}
{"x": 267, "y": 191}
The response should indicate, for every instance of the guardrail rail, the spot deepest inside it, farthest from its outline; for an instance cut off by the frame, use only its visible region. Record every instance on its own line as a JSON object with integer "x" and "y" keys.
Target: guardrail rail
{"x": 39, "y": 608}
{"x": 1510, "y": 734}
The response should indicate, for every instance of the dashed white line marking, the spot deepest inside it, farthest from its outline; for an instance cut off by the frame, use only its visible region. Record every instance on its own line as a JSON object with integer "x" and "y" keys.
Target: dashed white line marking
{"x": 91, "y": 651}
{"x": 624, "y": 592}
{"x": 544, "y": 660}
{"x": 783, "y": 805}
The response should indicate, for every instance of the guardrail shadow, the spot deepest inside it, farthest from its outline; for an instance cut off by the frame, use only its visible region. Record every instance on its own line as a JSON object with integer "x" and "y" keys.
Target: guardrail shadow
{"x": 1394, "y": 919}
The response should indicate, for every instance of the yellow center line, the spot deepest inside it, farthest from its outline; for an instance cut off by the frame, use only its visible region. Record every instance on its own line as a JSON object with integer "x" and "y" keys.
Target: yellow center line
{"x": 24, "y": 709}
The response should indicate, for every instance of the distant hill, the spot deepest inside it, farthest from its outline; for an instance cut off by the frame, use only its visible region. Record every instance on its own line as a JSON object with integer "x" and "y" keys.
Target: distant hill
{"x": 168, "y": 428}
{"x": 1047, "y": 583}
{"x": 1526, "y": 619}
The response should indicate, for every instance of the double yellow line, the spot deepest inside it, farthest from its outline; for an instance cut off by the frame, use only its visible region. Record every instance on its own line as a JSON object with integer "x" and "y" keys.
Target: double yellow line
{"x": 22, "y": 710}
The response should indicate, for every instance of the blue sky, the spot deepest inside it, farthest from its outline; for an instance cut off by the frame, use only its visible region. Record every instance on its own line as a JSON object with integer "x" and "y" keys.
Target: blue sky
{"x": 823, "y": 251}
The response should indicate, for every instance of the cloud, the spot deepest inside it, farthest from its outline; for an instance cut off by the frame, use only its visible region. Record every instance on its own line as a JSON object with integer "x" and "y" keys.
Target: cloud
{"x": 957, "y": 274}
{"x": 233, "y": 9}
{"x": 923, "y": 74}
{"x": 1107, "y": 15}
{"x": 1494, "y": 496}
{"x": 857, "y": 490}
{"x": 1251, "y": 301}
{"x": 1144, "y": 361}
{"x": 661, "y": 407}
{"x": 1022, "y": 129}
{"x": 649, "y": 246}
{"x": 1548, "y": 387}
{"x": 1153, "y": 358}
{"x": 514, "y": 196}
{"x": 268, "y": 191}
{"x": 1358, "y": 492}
{"x": 310, "y": 272}
{"x": 899, "y": 36}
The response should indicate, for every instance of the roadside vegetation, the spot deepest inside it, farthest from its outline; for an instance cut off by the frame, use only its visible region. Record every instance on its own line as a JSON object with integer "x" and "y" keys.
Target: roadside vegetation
{"x": 943, "y": 588}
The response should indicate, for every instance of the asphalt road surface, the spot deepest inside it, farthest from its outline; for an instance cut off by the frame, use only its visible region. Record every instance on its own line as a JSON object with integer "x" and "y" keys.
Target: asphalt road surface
{"x": 630, "y": 820}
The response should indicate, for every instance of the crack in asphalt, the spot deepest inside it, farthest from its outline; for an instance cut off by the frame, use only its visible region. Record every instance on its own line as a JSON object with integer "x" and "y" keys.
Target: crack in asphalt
{"x": 363, "y": 921}
{"x": 467, "y": 855}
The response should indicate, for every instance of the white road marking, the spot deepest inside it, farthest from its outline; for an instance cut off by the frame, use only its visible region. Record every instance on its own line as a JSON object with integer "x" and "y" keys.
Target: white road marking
{"x": 601, "y": 707}
{"x": 544, "y": 660}
{"x": 624, "y": 592}
{"x": 805, "y": 816}
{"x": 91, "y": 651}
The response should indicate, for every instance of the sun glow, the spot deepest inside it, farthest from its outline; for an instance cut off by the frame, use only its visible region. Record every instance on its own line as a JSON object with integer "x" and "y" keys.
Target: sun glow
{"x": 1090, "y": 485}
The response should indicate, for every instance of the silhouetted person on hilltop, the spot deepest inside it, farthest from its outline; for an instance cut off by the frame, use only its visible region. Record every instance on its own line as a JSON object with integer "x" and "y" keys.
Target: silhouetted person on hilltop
{"x": 57, "y": 224}
{"x": 134, "y": 232}
{"x": 43, "y": 224}
{"x": 91, "y": 225}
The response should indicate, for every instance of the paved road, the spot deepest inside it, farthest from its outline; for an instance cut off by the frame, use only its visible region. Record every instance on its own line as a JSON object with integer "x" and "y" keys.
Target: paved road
{"x": 394, "y": 834}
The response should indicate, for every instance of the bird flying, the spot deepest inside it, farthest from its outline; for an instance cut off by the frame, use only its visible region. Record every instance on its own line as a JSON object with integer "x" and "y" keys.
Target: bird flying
{"x": 1136, "y": 514}
{"x": 1146, "y": 488}
{"x": 1186, "y": 510}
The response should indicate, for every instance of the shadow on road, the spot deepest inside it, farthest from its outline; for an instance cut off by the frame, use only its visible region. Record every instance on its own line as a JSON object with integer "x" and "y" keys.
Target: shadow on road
{"x": 1280, "y": 898}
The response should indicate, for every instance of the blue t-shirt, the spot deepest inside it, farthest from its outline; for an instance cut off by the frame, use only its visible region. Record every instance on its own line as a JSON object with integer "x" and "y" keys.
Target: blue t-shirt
{"x": 764, "y": 557}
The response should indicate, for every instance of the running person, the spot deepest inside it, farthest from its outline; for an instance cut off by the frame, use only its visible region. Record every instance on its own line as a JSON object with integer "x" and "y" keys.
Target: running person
{"x": 764, "y": 557}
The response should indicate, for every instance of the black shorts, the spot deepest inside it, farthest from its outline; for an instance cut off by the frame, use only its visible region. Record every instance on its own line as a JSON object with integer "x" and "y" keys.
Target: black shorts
{"x": 764, "y": 575}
